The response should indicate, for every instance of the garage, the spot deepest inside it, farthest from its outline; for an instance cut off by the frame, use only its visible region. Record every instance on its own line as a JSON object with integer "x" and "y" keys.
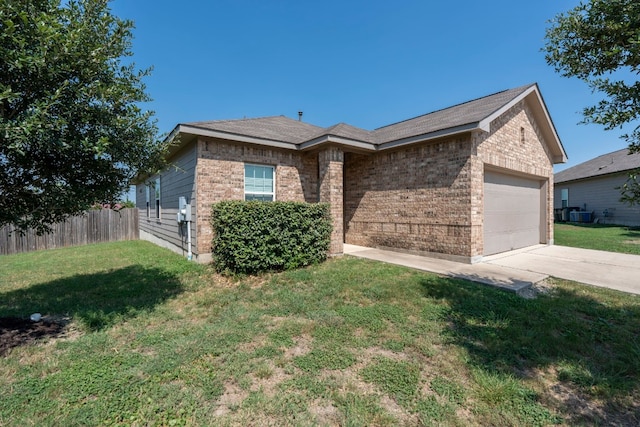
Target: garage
{"x": 514, "y": 209}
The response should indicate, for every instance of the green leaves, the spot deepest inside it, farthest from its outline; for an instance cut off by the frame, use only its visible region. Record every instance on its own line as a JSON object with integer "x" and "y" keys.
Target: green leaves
{"x": 599, "y": 42}
{"x": 251, "y": 237}
{"x": 71, "y": 131}
{"x": 630, "y": 190}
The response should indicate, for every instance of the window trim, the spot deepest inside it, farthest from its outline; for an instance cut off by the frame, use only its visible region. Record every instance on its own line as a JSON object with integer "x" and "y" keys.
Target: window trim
{"x": 564, "y": 201}
{"x": 158, "y": 196}
{"x": 148, "y": 194}
{"x": 244, "y": 181}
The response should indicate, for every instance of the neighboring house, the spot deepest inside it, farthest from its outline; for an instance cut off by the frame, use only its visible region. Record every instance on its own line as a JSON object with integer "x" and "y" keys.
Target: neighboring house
{"x": 591, "y": 187}
{"x": 459, "y": 183}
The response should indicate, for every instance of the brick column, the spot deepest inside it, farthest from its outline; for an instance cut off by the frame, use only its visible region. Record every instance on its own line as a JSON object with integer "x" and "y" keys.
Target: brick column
{"x": 330, "y": 162}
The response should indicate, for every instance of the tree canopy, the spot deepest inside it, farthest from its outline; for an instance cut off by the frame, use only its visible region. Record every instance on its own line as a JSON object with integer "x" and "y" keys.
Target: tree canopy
{"x": 599, "y": 42}
{"x": 72, "y": 132}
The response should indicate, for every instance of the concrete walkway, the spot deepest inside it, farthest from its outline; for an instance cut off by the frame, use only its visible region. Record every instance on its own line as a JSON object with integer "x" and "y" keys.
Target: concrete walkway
{"x": 518, "y": 270}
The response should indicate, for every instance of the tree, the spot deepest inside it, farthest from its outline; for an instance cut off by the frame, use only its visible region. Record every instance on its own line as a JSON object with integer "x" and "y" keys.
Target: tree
{"x": 599, "y": 42}
{"x": 71, "y": 129}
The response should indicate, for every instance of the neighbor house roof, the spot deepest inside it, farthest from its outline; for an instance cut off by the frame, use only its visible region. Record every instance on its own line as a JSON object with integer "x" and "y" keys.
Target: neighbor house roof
{"x": 618, "y": 161}
{"x": 284, "y": 132}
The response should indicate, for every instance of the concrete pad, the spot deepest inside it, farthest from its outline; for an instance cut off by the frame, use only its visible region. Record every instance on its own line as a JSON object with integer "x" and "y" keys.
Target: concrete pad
{"x": 517, "y": 270}
{"x": 504, "y": 277}
{"x": 598, "y": 268}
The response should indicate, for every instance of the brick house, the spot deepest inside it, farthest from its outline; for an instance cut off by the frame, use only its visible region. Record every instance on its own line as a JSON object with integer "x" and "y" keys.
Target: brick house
{"x": 458, "y": 183}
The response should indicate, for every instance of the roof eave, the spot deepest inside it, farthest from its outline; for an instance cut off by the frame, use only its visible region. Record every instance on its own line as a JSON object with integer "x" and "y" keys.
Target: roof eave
{"x": 595, "y": 176}
{"x": 212, "y": 133}
{"x": 429, "y": 136}
{"x": 325, "y": 139}
{"x": 549, "y": 131}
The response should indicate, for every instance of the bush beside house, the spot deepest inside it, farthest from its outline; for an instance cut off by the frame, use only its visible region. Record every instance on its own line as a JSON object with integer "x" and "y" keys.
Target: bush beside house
{"x": 250, "y": 237}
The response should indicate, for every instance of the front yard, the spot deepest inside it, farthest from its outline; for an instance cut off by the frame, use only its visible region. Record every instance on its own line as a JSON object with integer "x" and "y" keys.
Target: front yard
{"x": 611, "y": 238}
{"x": 151, "y": 339}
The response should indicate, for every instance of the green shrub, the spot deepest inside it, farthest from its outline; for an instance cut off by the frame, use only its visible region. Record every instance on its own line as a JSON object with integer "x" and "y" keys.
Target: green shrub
{"x": 250, "y": 237}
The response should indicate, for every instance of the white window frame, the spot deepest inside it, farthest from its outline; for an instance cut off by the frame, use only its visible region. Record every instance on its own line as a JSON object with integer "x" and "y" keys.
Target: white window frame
{"x": 158, "y": 196}
{"x": 564, "y": 200}
{"x": 148, "y": 193}
{"x": 273, "y": 174}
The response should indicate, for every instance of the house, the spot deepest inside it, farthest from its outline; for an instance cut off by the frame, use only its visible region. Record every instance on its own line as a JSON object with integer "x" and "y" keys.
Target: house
{"x": 470, "y": 180}
{"x": 590, "y": 187}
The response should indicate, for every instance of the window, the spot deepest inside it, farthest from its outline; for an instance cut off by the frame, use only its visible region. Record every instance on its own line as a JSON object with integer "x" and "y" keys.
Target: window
{"x": 157, "y": 188}
{"x": 565, "y": 197}
{"x": 148, "y": 201}
{"x": 258, "y": 183}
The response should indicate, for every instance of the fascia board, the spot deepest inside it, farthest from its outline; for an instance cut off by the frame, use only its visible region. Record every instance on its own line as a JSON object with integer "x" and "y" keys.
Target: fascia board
{"x": 325, "y": 139}
{"x": 485, "y": 124}
{"x": 429, "y": 136}
{"x": 235, "y": 137}
{"x": 562, "y": 157}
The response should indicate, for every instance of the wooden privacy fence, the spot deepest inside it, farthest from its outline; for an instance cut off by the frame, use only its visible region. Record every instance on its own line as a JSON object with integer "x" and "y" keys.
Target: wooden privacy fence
{"x": 96, "y": 226}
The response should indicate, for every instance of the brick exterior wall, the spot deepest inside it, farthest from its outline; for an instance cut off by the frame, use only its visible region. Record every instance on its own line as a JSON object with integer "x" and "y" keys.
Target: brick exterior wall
{"x": 503, "y": 149}
{"x": 428, "y": 198}
{"x": 331, "y": 162}
{"x": 220, "y": 176}
{"x": 416, "y": 199}
{"x": 422, "y": 198}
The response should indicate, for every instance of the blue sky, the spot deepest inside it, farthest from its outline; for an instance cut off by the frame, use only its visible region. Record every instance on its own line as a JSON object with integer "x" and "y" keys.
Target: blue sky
{"x": 366, "y": 63}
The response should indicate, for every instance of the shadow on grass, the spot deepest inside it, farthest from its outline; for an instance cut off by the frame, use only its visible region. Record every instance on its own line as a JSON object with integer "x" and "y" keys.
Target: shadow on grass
{"x": 97, "y": 300}
{"x": 592, "y": 344}
{"x": 633, "y": 233}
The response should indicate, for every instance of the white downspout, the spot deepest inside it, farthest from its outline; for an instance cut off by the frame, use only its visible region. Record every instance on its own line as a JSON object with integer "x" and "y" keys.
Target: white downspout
{"x": 189, "y": 254}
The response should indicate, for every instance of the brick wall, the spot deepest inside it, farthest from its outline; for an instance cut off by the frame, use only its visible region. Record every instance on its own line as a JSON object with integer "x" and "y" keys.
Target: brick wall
{"x": 330, "y": 168}
{"x": 220, "y": 176}
{"x": 503, "y": 148}
{"x": 429, "y": 197}
{"x": 416, "y": 199}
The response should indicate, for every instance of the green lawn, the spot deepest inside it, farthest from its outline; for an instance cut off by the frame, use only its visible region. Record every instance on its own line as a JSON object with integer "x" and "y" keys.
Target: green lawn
{"x": 155, "y": 340}
{"x": 612, "y": 238}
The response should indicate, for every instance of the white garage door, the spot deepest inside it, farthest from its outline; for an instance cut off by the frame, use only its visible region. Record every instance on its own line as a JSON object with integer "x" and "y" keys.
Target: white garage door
{"x": 513, "y": 210}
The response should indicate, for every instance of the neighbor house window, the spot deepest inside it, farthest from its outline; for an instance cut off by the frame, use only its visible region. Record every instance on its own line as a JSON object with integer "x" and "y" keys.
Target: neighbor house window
{"x": 259, "y": 183}
{"x": 148, "y": 201}
{"x": 565, "y": 197}
{"x": 157, "y": 188}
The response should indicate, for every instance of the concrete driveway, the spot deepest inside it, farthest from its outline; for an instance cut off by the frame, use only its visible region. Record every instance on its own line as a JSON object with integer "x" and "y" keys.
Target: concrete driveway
{"x": 598, "y": 268}
{"x": 518, "y": 270}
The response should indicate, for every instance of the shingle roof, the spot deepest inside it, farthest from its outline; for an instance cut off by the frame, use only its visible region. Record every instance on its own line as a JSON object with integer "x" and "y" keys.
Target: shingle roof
{"x": 284, "y": 132}
{"x": 618, "y": 161}
{"x": 350, "y": 132}
{"x": 458, "y": 115}
{"x": 276, "y": 128}
{"x": 281, "y": 128}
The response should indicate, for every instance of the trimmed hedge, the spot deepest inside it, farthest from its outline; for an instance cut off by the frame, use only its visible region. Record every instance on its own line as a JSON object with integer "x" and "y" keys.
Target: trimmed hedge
{"x": 250, "y": 237}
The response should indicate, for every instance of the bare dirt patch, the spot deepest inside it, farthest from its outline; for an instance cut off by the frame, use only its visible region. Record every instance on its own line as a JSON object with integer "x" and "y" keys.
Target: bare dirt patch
{"x": 302, "y": 346}
{"x": 17, "y": 332}
{"x": 232, "y": 397}
{"x": 325, "y": 413}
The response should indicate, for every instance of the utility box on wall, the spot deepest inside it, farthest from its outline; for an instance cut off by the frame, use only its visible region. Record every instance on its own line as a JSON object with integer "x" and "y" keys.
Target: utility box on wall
{"x": 184, "y": 210}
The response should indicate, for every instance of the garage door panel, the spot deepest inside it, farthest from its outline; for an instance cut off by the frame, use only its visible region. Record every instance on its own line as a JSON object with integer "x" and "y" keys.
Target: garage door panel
{"x": 512, "y": 212}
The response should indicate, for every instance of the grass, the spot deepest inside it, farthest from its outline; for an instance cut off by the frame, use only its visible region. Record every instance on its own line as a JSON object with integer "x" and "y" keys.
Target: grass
{"x": 155, "y": 340}
{"x": 611, "y": 238}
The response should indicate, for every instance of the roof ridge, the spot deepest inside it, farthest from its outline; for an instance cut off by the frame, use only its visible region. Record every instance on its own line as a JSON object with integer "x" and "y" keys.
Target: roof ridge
{"x": 241, "y": 119}
{"x": 458, "y": 105}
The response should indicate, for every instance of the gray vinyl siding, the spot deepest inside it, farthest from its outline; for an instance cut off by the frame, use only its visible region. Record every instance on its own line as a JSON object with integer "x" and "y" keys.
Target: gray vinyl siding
{"x": 597, "y": 195}
{"x": 178, "y": 180}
